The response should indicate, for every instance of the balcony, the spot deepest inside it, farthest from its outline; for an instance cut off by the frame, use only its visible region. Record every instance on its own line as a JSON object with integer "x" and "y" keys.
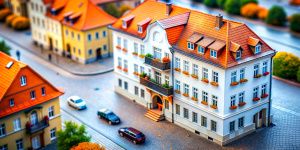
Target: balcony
{"x": 156, "y": 87}
{"x": 163, "y": 66}
{"x": 37, "y": 127}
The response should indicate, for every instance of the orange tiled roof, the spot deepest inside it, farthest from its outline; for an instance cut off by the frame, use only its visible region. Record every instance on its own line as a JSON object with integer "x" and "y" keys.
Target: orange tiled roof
{"x": 174, "y": 21}
{"x": 234, "y": 47}
{"x": 147, "y": 20}
{"x": 58, "y": 4}
{"x": 217, "y": 45}
{"x": 206, "y": 41}
{"x": 194, "y": 37}
{"x": 46, "y": 2}
{"x": 252, "y": 41}
{"x": 173, "y": 34}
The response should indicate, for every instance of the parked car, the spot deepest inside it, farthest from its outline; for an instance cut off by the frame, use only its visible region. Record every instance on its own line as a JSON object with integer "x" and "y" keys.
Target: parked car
{"x": 132, "y": 134}
{"x": 76, "y": 102}
{"x": 109, "y": 116}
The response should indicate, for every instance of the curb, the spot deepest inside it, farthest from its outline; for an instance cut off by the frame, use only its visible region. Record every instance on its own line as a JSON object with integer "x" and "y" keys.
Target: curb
{"x": 286, "y": 81}
{"x": 72, "y": 72}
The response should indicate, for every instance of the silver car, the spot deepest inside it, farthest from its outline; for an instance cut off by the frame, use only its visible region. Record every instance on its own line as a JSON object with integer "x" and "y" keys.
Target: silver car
{"x": 76, "y": 102}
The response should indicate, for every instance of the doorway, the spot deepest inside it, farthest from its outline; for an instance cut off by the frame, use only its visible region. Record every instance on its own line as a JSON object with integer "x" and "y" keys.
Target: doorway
{"x": 50, "y": 44}
{"x": 68, "y": 51}
{"x": 36, "y": 142}
{"x": 157, "y": 102}
{"x": 98, "y": 52}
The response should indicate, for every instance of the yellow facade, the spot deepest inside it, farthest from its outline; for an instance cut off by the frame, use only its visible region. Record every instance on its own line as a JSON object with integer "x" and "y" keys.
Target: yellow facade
{"x": 54, "y": 35}
{"x": 19, "y": 7}
{"x": 12, "y": 136}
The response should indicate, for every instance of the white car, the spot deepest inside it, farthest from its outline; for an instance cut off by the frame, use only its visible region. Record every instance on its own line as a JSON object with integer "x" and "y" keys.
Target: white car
{"x": 76, "y": 102}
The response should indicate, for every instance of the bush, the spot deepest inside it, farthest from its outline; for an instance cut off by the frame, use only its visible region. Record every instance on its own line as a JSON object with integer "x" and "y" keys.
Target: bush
{"x": 295, "y": 22}
{"x": 298, "y": 74}
{"x": 199, "y": 1}
{"x": 221, "y": 3}
{"x": 4, "y": 13}
{"x": 250, "y": 10}
{"x": 20, "y": 23}
{"x": 210, "y": 3}
{"x": 244, "y": 2}
{"x": 112, "y": 10}
{"x": 232, "y": 6}
{"x": 262, "y": 13}
{"x": 276, "y": 16}
{"x": 149, "y": 55}
{"x": 9, "y": 19}
{"x": 4, "y": 47}
{"x": 286, "y": 65}
{"x": 88, "y": 146}
{"x": 123, "y": 9}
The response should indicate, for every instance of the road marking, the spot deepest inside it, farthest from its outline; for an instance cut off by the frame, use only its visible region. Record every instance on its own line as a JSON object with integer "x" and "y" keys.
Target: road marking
{"x": 286, "y": 110}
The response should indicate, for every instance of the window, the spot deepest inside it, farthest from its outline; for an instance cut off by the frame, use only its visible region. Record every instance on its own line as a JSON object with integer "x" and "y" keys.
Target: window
{"x": 186, "y": 89}
{"x": 125, "y": 64}
{"x": 166, "y": 104}
{"x": 195, "y": 69}
{"x": 142, "y": 69}
{"x": 136, "y": 49}
{"x": 231, "y": 126}
{"x": 158, "y": 77}
{"x": 38, "y": 21}
{"x": 125, "y": 85}
{"x": 43, "y": 91}
{"x": 213, "y": 53}
{"x": 150, "y": 73}
{"x": 125, "y": 43}
{"x": 51, "y": 111}
{"x": 67, "y": 32}
{"x": 74, "y": 50}
{"x": 256, "y": 67}
{"x": 214, "y": 126}
{"x": 242, "y": 74}
{"x": 136, "y": 68}
{"x": 255, "y": 92}
{"x": 142, "y": 93}
{"x": 167, "y": 55}
{"x": 215, "y": 100}
{"x": 263, "y": 89}
{"x": 136, "y": 90}
{"x": 204, "y": 96}
{"x": 186, "y": 66}
{"x": 142, "y": 49}
{"x": 43, "y": 23}
{"x": 124, "y": 24}
{"x": 90, "y": 52}
{"x": 33, "y": 19}
{"x": 241, "y": 122}
{"x": 233, "y": 76}
{"x": 2, "y": 129}
{"x": 97, "y": 37}
{"x": 204, "y": 121}
{"x": 41, "y": 8}
{"x": 257, "y": 49}
{"x": 205, "y": 73}
{"x": 238, "y": 55}
{"x": 89, "y": 37}
{"x": 177, "y": 109}
{"x": 215, "y": 77}
{"x": 4, "y": 147}
{"x": 52, "y": 133}
{"x": 104, "y": 33}
{"x": 195, "y": 117}
{"x": 72, "y": 35}
{"x": 201, "y": 49}
{"x": 17, "y": 124}
{"x": 11, "y": 102}
{"x": 140, "y": 29}
{"x": 120, "y": 83}
{"x": 177, "y": 63}
{"x": 177, "y": 85}
{"x": 78, "y": 37}
{"x": 118, "y": 41}
{"x": 241, "y": 97}
{"x": 167, "y": 80}
{"x": 32, "y": 94}
{"x": 79, "y": 52}
{"x": 36, "y": 7}
{"x": 195, "y": 92}
{"x": 190, "y": 46}
{"x": 232, "y": 100}
{"x": 119, "y": 61}
{"x": 186, "y": 113}
{"x": 157, "y": 53}
{"x": 19, "y": 144}
{"x": 23, "y": 80}
{"x": 265, "y": 67}
{"x": 32, "y": 5}
{"x": 105, "y": 47}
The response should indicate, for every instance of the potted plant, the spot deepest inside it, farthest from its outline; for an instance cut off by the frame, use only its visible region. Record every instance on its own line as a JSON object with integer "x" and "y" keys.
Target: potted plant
{"x": 149, "y": 55}
{"x": 264, "y": 96}
{"x": 124, "y": 50}
{"x": 234, "y": 83}
{"x": 204, "y": 103}
{"x": 177, "y": 91}
{"x": 194, "y": 76}
{"x": 243, "y": 80}
{"x": 185, "y": 95}
{"x": 28, "y": 125}
{"x": 166, "y": 60}
{"x": 266, "y": 73}
{"x": 242, "y": 103}
{"x": 213, "y": 106}
{"x": 118, "y": 47}
{"x": 135, "y": 73}
{"x": 214, "y": 83}
{"x": 186, "y": 73}
{"x": 177, "y": 69}
{"x": 233, "y": 107}
{"x": 141, "y": 56}
{"x": 134, "y": 53}
{"x": 195, "y": 99}
{"x": 256, "y": 99}
{"x": 204, "y": 80}
{"x": 143, "y": 75}
{"x": 119, "y": 67}
{"x": 125, "y": 70}
{"x": 257, "y": 76}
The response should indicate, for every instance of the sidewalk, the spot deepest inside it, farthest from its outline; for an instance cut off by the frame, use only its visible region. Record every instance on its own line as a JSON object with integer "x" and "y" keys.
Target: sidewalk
{"x": 24, "y": 40}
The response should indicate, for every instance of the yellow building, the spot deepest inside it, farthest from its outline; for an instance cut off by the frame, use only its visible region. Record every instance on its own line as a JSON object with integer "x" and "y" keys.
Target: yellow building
{"x": 18, "y": 7}
{"x": 29, "y": 107}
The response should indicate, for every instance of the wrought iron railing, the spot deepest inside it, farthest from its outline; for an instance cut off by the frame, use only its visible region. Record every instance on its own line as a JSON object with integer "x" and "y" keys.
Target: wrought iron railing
{"x": 157, "y": 64}
{"x": 37, "y": 127}
{"x": 157, "y": 87}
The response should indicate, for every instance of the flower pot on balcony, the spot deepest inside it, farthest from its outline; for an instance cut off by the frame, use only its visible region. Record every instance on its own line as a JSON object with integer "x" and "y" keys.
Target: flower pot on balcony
{"x": 194, "y": 76}
{"x": 135, "y": 73}
{"x": 166, "y": 60}
{"x": 233, "y": 107}
{"x": 142, "y": 56}
{"x": 118, "y": 47}
{"x": 163, "y": 89}
{"x": 204, "y": 103}
{"x": 204, "y": 80}
{"x": 185, "y": 95}
{"x": 234, "y": 83}
{"x": 257, "y": 76}
{"x": 177, "y": 69}
{"x": 243, "y": 80}
{"x": 124, "y": 50}
{"x": 157, "y": 63}
{"x": 176, "y": 91}
{"x": 125, "y": 70}
{"x": 266, "y": 73}
{"x": 214, "y": 83}
{"x": 256, "y": 99}
{"x": 213, "y": 106}
{"x": 119, "y": 67}
{"x": 242, "y": 104}
{"x": 134, "y": 53}
{"x": 264, "y": 96}
{"x": 194, "y": 99}
{"x": 186, "y": 73}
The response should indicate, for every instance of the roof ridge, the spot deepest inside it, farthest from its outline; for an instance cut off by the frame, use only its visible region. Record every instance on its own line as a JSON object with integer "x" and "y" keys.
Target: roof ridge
{"x": 227, "y": 44}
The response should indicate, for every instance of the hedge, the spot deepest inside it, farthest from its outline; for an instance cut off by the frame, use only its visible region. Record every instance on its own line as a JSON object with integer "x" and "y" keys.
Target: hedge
{"x": 221, "y": 3}
{"x": 210, "y": 3}
{"x": 9, "y": 19}
{"x": 4, "y": 13}
{"x": 250, "y": 10}
{"x": 244, "y": 2}
{"x": 20, "y": 23}
{"x": 276, "y": 16}
{"x": 298, "y": 74}
{"x": 232, "y": 6}
{"x": 286, "y": 65}
{"x": 295, "y": 22}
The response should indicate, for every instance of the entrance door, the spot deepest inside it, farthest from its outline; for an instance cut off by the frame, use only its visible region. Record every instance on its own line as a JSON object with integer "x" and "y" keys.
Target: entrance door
{"x": 255, "y": 120}
{"x": 50, "y": 44}
{"x": 98, "y": 51}
{"x": 36, "y": 142}
{"x": 33, "y": 118}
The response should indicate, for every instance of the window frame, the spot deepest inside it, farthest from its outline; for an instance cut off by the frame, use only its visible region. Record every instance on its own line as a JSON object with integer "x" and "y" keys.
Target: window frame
{"x": 240, "y": 56}
{"x": 51, "y": 111}
{"x": 23, "y": 81}
{"x": 215, "y": 76}
{"x": 233, "y": 76}
{"x": 242, "y": 73}
{"x": 136, "y": 90}
{"x": 265, "y": 67}
{"x": 185, "y": 113}
{"x": 213, "y": 53}
{"x": 203, "y": 121}
{"x": 43, "y": 91}
{"x": 32, "y": 95}
{"x": 140, "y": 29}
{"x": 204, "y": 73}
{"x": 177, "y": 109}
{"x": 186, "y": 88}
{"x": 177, "y": 85}
{"x": 232, "y": 100}
{"x": 191, "y": 46}
{"x": 241, "y": 97}
{"x": 97, "y": 36}
{"x": 241, "y": 122}
{"x": 177, "y": 62}
{"x": 17, "y": 124}
{"x": 257, "y": 49}
{"x": 104, "y": 33}
{"x": 89, "y": 37}
{"x": 195, "y": 69}
{"x": 232, "y": 126}
{"x": 195, "y": 92}
{"x": 214, "y": 100}
{"x": 255, "y": 91}
{"x": 11, "y": 102}
{"x": 213, "y": 125}
{"x": 200, "y": 49}
{"x": 186, "y": 65}
{"x": 256, "y": 69}
{"x": 195, "y": 117}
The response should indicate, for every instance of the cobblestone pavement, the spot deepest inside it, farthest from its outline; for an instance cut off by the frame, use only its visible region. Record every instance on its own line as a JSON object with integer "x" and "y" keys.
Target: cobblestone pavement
{"x": 24, "y": 40}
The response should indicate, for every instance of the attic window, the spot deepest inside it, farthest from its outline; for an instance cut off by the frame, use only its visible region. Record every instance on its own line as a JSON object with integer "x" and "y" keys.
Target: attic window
{"x": 238, "y": 55}
{"x": 201, "y": 49}
{"x": 127, "y": 20}
{"x": 213, "y": 53}
{"x": 257, "y": 49}
{"x": 23, "y": 80}
{"x": 140, "y": 29}
{"x": 80, "y": 4}
{"x": 124, "y": 25}
{"x": 190, "y": 46}
{"x": 9, "y": 64}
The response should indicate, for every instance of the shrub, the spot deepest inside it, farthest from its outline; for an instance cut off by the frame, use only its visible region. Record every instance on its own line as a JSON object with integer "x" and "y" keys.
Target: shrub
{"x": 4, "y": 47}
{"x": 244, "y": 2}
{"x": 250, "y": 10}
{"x": 295, "y": 22}
{"x": 286, "y": 65}
{"x": 262, "y": 13}
{"x": 20, "y": 23}
{"x": 200, "y": 1}
{"x": 9, "y": 19}
{"x": 221, "y": 3}
{"x": 298, "y": 74}
{"x": 232, "y": 6}
{"x": 149, "y": 55}
{"x": 123, "y": 9}
{"x": 276, "y": 16}
{"x": 4, "y": 13}
{"x": 87, "y": 146}
{"x": 210, "y": 3}
{"x": 112, "y": 10}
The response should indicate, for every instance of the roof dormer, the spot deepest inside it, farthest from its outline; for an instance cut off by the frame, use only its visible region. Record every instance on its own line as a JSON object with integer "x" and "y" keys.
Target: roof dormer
{"x": 67, "y": 15}
{"x": 55, "y": 11}
{"x": 73, "y": 18}
{"x": 236, "y": 50}
{"x": 126, "y": 21}
{"x": 216, "y": 48}
{"x": 204, "y": 43}
{"x": 255, "y": 45}
{"x": 195, "y": 37}
{"x": 142, "y": 26}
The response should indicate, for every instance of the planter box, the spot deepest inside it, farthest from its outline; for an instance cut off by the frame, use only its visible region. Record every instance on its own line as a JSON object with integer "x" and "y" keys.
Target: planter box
{"x": 156, "y": 87}
{"x": 157, "y": 64}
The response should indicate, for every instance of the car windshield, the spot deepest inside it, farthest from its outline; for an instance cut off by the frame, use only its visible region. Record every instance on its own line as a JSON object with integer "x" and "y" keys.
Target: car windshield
{"x": 110, "y": 115}
{"x": 78, "y": 101}
{"x": 140, "y": 135}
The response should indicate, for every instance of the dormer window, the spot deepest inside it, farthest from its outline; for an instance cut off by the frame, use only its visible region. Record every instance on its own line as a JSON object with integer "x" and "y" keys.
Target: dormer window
{"x": 238, "y": 55}
{"x": 190, "y": 46}
{"x": 23, "y": 80}
{"x": 201, "y": 49}
{"x": 140, "y": 29}
{"x": 213, "y": 53}
{"x": 124, "y": 24}
{"x": 143, "y": 25}
{"x": 257, "y": 49}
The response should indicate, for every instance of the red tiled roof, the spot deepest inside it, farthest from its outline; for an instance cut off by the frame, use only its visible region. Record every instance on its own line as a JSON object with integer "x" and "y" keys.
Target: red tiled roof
{"x": 252, "y": 41}
{"x": 234, "y": 47}
{"x": 46, "y": 2}
{"x": 206, "y": 41}
{"x": 174, "y": 21}
{"x": 217, "y": 45}
{"x": 173, "y": 34}
{"x": 57, "y": 4}
{"x": 195, "y": 37}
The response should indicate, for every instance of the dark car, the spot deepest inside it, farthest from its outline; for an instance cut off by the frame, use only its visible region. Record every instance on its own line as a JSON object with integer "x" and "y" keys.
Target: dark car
{"x": 109, "y": 116}
{"x": 132, "y": 134}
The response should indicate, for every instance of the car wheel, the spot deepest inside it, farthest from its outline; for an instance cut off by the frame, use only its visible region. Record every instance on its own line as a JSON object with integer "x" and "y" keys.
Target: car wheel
{"x": 134, "y": 141}
{"x": 109, "y": 122}
{"x": 121, "y": 134}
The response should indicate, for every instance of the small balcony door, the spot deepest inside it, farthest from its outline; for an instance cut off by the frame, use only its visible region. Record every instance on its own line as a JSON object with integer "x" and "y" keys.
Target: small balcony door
{"x": 157, "y": 53}
{"x": 158, "y": 77}
{"x": 36, "y": 142}
{"x": 33, "y": 118}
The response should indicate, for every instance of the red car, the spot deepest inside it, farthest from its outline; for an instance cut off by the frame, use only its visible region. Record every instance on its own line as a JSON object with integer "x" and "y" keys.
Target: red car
{"x": 132, "y": 134}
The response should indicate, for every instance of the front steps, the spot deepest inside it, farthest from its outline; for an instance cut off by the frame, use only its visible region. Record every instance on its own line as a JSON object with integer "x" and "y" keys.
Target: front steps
{"x": 154, "y": 116}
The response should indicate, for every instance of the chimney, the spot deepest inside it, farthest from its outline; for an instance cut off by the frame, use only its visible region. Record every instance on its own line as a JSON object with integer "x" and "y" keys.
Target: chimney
{"x": 219, "y": 21}
{"x": 168, "y": 8}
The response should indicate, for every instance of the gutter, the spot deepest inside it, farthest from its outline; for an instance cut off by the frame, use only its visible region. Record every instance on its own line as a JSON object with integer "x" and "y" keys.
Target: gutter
{"x": 270, "y": 97}
{"x": 172, "y": 66}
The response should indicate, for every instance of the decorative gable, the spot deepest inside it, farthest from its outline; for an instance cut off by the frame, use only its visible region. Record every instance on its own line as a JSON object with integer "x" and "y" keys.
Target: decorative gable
{"x": 126, "y": 21}
{"x": 236, "y": 50}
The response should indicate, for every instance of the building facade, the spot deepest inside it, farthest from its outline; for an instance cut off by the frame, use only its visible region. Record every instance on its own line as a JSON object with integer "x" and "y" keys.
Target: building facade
{"x": 29, "y": 107}
{"x": 18, "y": 7}
{"x": 201, "y": 73}
{"x": 118, "y": 3}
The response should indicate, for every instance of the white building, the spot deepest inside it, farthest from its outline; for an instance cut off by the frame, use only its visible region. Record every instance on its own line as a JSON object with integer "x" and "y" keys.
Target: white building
{"x": 201, "y": 47}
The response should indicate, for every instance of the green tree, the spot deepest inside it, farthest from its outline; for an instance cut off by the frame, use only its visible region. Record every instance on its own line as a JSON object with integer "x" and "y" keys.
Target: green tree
{"x": 4, "y": 48}
{"x": 298, "y": 74}
{"x": 221, "y": 3}
{"x": 295, "y": 22}
{"x": 112, "y": 10}
{"x": 71, "y": 136}
{"x": 199, "y": 1}
{"x": 276, "y": 16}
{"x": 232, "y": 6}
{"x": 244, "y": 2}
{"x": 210, "y": 3}
{"x": 123, "y": 9}
{"x": 286, "y": 65}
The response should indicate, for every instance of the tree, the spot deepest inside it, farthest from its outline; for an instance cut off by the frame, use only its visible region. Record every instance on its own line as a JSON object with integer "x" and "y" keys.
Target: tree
{"x": 250, "y": 10}
{"x": 4, "y": 48}
{"x": 232, "y": 6}
{"x": 210, "y": 3}
{"x": 71, "y": 136}
{"x": 199, "y": 1}
{"x": 276, "y": 16}
{"x": 262, "y": 13}
{"x": 123, "y": 9}
{"x": 4, "y": 13}
{"x": 295, "y": 22}
{"x": 88, "y": 146}
{"x": 9, "y": 19}
{"x": 221, "y": 3}
{"x": 244, "y": 2}
{"x": 298, "y": 74}
{"x": 112, "y": 10}
{"x": 20, "y": 23}
{"x": 286, "y": 65}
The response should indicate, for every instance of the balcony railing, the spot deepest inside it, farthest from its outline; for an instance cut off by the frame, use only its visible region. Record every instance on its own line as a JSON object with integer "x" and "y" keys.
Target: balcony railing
{"x": 160, "y": 65}
{"x": 156, "y": 87}
{"x": 37, "y": 127}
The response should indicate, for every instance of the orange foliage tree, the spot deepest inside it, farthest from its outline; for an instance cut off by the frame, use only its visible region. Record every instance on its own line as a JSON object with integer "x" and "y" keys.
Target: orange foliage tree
{"x": 262, "y": 13}
{"x": 250, "y": 10}
{"x": 88, "y": 146}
